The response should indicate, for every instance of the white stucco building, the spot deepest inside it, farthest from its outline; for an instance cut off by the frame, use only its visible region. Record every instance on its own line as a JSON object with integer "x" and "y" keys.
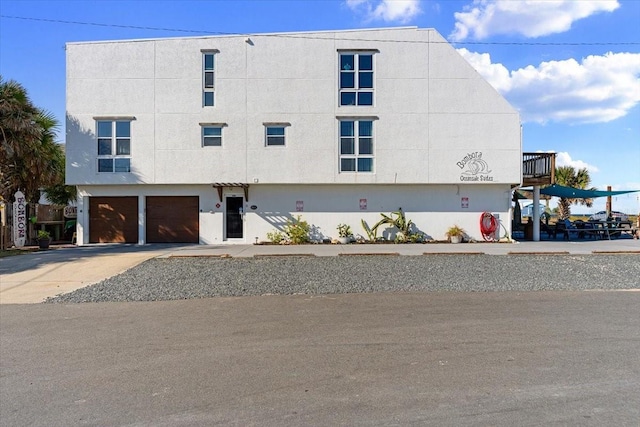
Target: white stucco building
{"x": 221, "y": 139}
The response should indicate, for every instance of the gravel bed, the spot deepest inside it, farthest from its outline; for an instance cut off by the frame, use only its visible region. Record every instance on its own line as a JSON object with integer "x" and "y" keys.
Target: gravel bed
{"x": 198, "y": 277}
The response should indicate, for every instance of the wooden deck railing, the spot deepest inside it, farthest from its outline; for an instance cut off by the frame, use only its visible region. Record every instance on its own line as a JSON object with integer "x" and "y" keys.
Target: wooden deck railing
{"x": 538, "y": 168}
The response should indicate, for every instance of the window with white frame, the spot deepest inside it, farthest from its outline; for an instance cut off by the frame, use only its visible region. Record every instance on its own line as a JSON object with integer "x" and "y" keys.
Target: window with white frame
{"x": 212, "y": 135}
{"x": 356, "y": 146}
{"x": 356, "y": 78}
{"x": 208, "y": 78}
{"x": 114, "y": 145}
{"x": 274, "y": 134}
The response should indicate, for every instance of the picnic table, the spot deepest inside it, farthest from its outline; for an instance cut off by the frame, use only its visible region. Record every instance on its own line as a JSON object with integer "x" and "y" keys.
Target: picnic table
{"x": 611, "y": 228}
{"x": 596, "y": 229}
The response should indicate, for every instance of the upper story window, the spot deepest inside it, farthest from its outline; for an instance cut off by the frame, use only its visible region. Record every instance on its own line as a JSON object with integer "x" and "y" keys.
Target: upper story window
{"x": 208, "y": 78}
{"x": 356, "y": 146}
{"x": 356, "y": 78}
{"x": 114, "y": 145}
{"x": 275, "y": 134}
{"x": 212, "y": 135}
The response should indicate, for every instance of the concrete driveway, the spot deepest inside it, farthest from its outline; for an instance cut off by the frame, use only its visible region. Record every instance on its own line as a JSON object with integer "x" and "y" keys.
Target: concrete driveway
{"x": 35, "y": 276}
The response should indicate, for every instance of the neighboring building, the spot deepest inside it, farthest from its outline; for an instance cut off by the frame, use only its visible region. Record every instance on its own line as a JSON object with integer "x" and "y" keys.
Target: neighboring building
{"x": 222, "y": 139}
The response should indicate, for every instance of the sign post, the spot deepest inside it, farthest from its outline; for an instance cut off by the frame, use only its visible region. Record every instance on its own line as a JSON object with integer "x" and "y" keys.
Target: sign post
{"x": 19, "y": 220}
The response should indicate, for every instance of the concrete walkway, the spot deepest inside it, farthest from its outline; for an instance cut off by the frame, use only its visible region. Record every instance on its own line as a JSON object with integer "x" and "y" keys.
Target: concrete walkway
{"x": 35, "y": 276}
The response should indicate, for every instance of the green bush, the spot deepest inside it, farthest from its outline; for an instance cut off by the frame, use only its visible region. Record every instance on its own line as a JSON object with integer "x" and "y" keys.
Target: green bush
{"x": 297, "y": 230}
{"x": 275, "y": 236}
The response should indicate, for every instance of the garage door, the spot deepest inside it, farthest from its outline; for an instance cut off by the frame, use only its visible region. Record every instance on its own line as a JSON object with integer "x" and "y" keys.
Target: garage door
{"x": 113, "y": 219}
{"x": 173, "y": 219}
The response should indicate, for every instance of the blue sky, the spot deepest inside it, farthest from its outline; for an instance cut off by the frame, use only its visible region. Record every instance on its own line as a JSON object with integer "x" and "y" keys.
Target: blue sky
{"x": 572, "y": 68}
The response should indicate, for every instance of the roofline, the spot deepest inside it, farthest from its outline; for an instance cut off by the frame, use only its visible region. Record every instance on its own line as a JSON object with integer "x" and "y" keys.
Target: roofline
{"x": 233, "y": 35}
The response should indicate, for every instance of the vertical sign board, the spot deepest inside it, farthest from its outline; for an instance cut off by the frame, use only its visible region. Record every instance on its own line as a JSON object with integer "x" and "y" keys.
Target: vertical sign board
{"x": 464, "y": 203}
{"x": 299, "y": 206}
{"x": 19, "y": 220}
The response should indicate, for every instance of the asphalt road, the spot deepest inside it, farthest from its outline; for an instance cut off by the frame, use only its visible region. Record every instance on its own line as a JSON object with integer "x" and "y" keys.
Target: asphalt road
{"x": 445, "y": 359}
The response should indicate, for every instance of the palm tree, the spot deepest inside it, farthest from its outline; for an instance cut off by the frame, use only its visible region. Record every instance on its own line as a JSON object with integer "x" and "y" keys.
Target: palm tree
{"x": 29, "y": 158}
{"x": 569, "y": 177}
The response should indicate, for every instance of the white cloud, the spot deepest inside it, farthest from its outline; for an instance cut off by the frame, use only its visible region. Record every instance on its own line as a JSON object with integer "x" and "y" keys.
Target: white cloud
{"x": 596, "y": 90}
{"x": 530, "y": 18}
{"x": 386, "y": 10}
{"x": 564, "y": 159}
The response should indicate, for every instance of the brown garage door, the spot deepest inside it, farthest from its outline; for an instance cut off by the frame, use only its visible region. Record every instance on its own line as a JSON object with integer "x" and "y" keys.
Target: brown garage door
{"x": 113, "y": 219}
{"x": 173, "y": 219}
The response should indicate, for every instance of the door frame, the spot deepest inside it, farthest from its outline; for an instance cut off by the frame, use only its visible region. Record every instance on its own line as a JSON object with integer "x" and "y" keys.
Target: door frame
{"x": 225, "y": 223}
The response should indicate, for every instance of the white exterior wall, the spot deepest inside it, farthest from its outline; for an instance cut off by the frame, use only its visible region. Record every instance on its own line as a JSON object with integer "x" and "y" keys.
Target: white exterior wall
{"x": 431, "y": 110}
{"x": 432, "y": 208}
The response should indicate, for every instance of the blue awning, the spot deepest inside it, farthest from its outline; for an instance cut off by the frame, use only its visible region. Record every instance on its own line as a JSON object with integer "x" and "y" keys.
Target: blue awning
{"x": 577, "y": 193}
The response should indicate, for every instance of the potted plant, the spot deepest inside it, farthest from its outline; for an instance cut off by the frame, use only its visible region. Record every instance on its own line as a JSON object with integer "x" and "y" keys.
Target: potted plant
{"x": 44, "y": 239}
{"x": 344, "y": 233}
{"x": 455, "y": 234}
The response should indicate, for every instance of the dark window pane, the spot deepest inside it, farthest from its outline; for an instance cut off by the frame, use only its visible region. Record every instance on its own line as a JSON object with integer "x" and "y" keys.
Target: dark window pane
{"x": 347, "y": 146}
{"x": 123, "y": 147}
{"x": 212, "y": 131}
{"x": 208, "y": 61}
{"x": 347, "y": 165}
{"x": 275, "y": 140}
{"x": 104, "y": 129}
{"x": 105, "y": 165}
{"x": 346, "y": 62}
{"x": 365, "y": 98}
{"x": 123, "y": 165}
{"x": 104, "y": 147}
{"x": 365, "y": 165}
{"x": 347, "y": 128}
{"x": 212, "y": 141}
{"x": 365, "y": 62}
{"x": 348, "y": 98}
{"x": 365, "y": 146}
{"x": 123, "y": 129}
{"x": 365, "y": 80}
{"x": 208, "y": 99}
{"x": 365, "y": 128}
{"x": 208, "y": 79}
{"x": 347, "y": 80}
{"x": 275, "y": 130}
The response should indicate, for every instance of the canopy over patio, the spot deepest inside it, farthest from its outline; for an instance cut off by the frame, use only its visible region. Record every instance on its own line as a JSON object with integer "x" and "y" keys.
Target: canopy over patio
{"x": 577, "y": 193}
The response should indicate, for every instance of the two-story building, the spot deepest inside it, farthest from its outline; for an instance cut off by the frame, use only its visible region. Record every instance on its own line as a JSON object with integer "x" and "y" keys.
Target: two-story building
{"x": 223, "y": 138}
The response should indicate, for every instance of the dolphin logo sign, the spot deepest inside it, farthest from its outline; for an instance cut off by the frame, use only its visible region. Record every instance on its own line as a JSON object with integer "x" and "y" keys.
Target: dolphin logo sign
{"x": 477, "y": 167}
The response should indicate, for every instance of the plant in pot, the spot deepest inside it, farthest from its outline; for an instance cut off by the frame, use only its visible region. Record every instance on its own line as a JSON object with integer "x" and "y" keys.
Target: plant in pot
{"x": 455, "y": 234}
{"x": 44, "y": 239}
{"x": 344, "y": 233}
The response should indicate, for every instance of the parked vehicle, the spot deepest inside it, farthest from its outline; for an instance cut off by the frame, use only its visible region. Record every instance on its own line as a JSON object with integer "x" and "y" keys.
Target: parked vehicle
{"x": 602, "y": 216}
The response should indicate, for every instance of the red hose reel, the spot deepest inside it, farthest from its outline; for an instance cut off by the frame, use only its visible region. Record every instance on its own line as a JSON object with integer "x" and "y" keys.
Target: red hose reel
{"x": 488, "y": 226}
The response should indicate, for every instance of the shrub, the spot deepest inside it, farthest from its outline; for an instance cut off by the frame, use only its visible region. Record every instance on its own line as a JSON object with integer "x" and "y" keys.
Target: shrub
{"x": 344, "y": 230}
{"x": 297, "y": 230}
{"x": 275, "y": 236}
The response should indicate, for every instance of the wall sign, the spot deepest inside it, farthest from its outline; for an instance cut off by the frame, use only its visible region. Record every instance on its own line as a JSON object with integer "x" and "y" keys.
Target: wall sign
{"x": 299, "y": 206}
{"x": 363, "y": 204}
{"x": 71, "y": 211}
{"x": 19, "y": 220}
{"x": 464, "y": 202}
{"x": 475, "y": 168}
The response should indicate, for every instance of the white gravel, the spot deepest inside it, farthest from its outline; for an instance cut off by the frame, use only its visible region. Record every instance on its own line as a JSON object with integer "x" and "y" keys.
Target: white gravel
{"x": 198, "y": 277}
